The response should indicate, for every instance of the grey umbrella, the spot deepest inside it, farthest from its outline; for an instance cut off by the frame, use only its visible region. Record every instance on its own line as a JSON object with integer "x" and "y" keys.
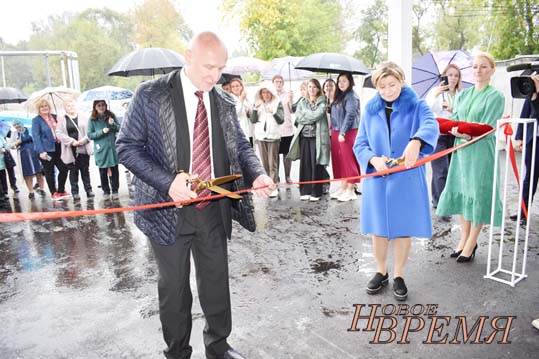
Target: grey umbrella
{"x": 11, "y": 95}
{"x": 332, "y": 63}
{"x": 147, "y": 62}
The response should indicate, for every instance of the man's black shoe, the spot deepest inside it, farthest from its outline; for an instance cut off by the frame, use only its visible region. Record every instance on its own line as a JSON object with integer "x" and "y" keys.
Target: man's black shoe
{"x": 399, "y": 289}
{"x": 513, "y": 217}
{"x": 229, "y": 354}
{"x": 377, "y": 283}
{"x": 232, "y": 354}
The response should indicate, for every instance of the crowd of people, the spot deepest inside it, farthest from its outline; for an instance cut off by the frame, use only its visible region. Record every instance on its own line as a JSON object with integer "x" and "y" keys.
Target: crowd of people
{"x": 318, "y": 129}
{"x": 216, "y": 132}
{"x": 58, "y": 147}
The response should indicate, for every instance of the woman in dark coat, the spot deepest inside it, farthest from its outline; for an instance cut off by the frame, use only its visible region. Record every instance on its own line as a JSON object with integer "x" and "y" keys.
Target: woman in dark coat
{"x": 29, "y": 160}
{"x": 47, "y": 145}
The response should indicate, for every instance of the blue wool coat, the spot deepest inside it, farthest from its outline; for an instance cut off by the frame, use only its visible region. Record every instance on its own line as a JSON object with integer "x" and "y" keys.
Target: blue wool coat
{"x": 396, "y": 205}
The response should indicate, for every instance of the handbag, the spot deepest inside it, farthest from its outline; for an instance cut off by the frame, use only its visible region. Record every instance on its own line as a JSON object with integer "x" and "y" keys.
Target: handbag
{"x": 9, "y": 160}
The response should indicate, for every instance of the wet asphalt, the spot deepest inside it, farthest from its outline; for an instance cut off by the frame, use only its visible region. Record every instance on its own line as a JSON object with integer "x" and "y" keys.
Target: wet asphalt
{"x": 87, "y": 287}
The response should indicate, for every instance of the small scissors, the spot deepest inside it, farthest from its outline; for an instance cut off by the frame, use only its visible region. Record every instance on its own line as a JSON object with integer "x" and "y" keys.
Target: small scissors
{"x": 392, "y": 162}
{"x": 213, "y": 185}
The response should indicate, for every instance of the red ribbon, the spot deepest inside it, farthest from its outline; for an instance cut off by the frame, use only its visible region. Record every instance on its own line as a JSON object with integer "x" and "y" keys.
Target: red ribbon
{"x": 508, "y": 132}
{"x": 35, "y": 216}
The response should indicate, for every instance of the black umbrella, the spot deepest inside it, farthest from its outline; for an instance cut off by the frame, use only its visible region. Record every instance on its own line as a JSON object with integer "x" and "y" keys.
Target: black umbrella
{"x": 333, "y": 63}
{"x": 226, "y": 78}
{"x": 11, "y": 95}
{"x": 147, "y": 62}
{"x": 367, "y": 82}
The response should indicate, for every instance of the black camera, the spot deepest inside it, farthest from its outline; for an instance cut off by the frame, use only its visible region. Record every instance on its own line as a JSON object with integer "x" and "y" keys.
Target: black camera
{"x": 522, "y": 87}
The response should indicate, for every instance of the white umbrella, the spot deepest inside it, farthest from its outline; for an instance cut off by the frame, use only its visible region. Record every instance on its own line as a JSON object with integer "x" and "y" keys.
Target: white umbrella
{"x": 56, "y": 95}
{"x": 116, "y": 97}
{"x": 242, "y": 64}
{"x": 285, "y": 67}
{"x": 106, "y": 93}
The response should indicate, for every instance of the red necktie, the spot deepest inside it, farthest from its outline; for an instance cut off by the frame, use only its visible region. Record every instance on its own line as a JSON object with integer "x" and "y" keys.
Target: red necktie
{"x": 201, "y": 149}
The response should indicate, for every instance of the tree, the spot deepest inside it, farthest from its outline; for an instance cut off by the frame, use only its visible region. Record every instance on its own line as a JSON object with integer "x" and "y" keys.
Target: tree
{"x": 372, "y": 34}
{"x": 514, "y": 28}
{"x": 159, "y": 24}
{"x": 420, "y": 34}
{"x": 460, "y": 24}
{"x": 277, "y": 28}
{"x": 99, "y": 37}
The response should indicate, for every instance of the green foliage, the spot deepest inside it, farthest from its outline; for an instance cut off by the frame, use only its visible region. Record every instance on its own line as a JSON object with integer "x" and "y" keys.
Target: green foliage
{"x": 100, "y": 37}
{"x": 460, "y": 24}
{"x": 277, "y": 28}
{"x": 514, "y": 28}
{"x": 158, "y": 24}
{"x": 372, "y": 34}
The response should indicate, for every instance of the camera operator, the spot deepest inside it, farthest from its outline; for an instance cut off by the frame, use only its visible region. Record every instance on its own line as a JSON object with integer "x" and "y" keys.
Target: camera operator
{"x": 530, "y": 109}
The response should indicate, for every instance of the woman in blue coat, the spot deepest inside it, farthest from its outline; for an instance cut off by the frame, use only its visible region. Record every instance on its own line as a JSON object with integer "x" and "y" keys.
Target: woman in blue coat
{"x": 395, "y": 124}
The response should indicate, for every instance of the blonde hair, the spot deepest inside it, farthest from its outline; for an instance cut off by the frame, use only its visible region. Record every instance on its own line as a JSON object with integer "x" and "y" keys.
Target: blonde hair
{"x": 488, "y": 57}
{"x": 385, "y": 69}
{"x": 42, "y": 101}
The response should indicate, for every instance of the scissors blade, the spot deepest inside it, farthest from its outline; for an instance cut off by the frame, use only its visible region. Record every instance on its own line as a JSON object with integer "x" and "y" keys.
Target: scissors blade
{"x": 392, "y": 162}
{"x": 226, "y": 192}
{"x": 224, "y": 179}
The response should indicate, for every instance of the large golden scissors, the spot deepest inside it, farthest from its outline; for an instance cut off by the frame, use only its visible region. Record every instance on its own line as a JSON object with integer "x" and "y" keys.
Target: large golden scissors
{"x": 214, "y": 185}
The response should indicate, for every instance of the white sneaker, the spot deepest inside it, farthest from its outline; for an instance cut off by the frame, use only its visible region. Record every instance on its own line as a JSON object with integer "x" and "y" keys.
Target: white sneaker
{"x": 314, "y": 199}
{"x": 336, "y": 194}
{"x": 347, "y": 196}
{"x": 535, "y": 323}
{"x": 305, "y": 198}
{"x": 274, "y": 193}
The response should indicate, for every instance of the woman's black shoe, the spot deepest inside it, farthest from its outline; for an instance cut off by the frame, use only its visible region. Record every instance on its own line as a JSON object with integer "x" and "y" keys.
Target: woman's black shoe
{"x": 455, "y": 254}
{"x": 377, "y": 283}
{"x": 399, "y": 289}
{"x": 462, "y": 259}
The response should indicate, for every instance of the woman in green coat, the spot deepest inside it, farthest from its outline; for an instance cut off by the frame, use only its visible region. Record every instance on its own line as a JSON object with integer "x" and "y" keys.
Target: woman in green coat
{"x": 311, "y": 142}
{"x": 468, "y": 190}
{"x": 102, "y": 129}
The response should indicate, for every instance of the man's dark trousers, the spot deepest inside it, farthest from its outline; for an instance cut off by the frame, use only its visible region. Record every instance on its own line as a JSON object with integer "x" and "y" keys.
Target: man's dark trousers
{"x": 202, "y": 233}
{"x": 527, "y": 178}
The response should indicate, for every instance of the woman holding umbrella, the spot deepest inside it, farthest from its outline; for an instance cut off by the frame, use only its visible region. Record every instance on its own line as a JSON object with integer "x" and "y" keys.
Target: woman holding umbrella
{"x": 29, "y": 160}
{"x": 102, "y": 129}
{"x": 395, "y": 208}
{"x": 47, "y": 145}
{"x": 441, "y": 100}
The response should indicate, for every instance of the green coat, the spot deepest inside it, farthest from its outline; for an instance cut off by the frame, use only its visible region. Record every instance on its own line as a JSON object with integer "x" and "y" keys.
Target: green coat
{"x": 468, "y": 189}
{"x": 104, "y": 143}
{"x": 305, "y": 116}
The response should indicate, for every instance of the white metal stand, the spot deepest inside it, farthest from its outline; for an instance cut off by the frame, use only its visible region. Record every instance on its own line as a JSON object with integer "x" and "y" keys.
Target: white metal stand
{"x": 497, "y": 271}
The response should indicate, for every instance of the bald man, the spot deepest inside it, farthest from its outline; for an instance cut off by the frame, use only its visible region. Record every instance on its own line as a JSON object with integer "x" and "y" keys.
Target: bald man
{"x": 155, "y": 143}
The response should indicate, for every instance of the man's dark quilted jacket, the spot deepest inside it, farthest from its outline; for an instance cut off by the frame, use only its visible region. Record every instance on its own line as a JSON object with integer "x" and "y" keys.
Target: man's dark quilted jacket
{"x": 146, "y": 146}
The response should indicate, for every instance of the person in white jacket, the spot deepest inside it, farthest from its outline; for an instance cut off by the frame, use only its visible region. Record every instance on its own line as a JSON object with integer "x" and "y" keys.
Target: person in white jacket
{"x": 268, "y": 115}
{"x": 72, "y": 131}
{"x": 243, "y": 108}
{"x": 441, "y": 100}
{"x": 287, "y": 129}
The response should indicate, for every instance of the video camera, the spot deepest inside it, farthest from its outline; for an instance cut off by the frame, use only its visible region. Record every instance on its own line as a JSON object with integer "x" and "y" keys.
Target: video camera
{"x": 523, "y": 86}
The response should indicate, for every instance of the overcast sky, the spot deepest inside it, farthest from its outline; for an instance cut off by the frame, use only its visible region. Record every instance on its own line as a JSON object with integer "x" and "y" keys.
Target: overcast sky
{"x": 16, "y": 16}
